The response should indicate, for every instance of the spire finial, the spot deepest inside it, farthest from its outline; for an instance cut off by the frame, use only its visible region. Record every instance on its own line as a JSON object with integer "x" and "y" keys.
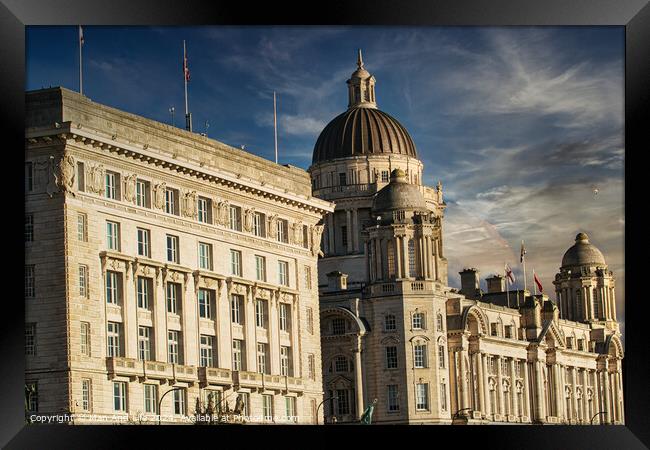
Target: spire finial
{"x": 360, "y": 60}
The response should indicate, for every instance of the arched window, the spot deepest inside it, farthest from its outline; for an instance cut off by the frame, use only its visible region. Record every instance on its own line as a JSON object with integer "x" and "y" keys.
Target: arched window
{"x": 595, "y": 303}
{"x": 439, "y": 322}
{"x": 412, "y": 267}
{"x": 390, "y": 254}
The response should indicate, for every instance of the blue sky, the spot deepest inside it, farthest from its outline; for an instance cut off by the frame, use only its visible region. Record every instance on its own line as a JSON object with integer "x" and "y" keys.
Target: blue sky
{"x": 521, "y": 124}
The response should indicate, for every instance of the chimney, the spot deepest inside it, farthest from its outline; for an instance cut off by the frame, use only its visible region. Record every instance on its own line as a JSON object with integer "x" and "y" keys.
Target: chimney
{"x": 337, "y": 281}
{"x": 469, "y": 283}
{"x": 496, "y": 283}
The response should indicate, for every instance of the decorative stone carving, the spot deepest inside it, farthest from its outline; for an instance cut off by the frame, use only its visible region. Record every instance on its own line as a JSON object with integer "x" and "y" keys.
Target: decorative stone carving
{"x": 159, "y": 195}
{"x": 223, "y": 216}
{"x": 65, "y": 174}
{"x": 272, "y": 230}
{"x": 129, "y": 187}
{"x": 316, "y": 233}
{"x": 189, "y": 207}
{"x": 296, "y": 232}
{"x": 248, "y": 219}
{"x": 95, "y": 179}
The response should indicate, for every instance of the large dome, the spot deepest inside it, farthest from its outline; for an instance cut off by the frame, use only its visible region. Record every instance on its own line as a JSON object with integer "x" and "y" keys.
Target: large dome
{"x": 362, "y": 131}
{"x": 583, "y": 253}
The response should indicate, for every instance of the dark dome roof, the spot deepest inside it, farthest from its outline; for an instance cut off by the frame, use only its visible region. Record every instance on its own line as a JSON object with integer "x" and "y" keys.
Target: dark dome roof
{"x": 362, "y": 131}
{"x": 583, "y": 253}
{"x": 399, "y": 194}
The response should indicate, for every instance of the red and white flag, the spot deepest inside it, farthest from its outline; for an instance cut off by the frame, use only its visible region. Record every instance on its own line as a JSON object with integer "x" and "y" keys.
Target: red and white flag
{"x": 509, "y": 275}
{"x": 537, "y": 282}
{"x": 186, "y": 69}
{"x": 81, "y": 35}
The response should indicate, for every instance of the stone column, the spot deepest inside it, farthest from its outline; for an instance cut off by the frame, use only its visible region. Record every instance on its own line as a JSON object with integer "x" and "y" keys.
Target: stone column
{"x": 330, "y": 234}
{"x": 612, "y": 302}
{"x": 189, "y": 321}
{"x": 378, "y": 259}
{"x": 159, "y": 318}
{"x": 436, "y": 259}
{"x": 355, "y": 230}
{"x": 463, "y": 378}
{"x": 421, "y": 257}
{"x": 559, "y": 383}
{"x": 619, "y": 395}
{"x": 130, "y": 313}
{"x": 225, "y": 329}
{"x": 585, "y": 413}
{"x": 540, "y": 410}
{"x": 398, "y": 257}
{"x": 249, "y": 332}
{"x": 513, "y": 388}
{"x": 485, "y": 386}
{"x": 574, "y": 383}
{"x": 358, "y": 378}
{"x": 294, "y": 329}
{"x": 453, "y": 380}
{"x": 348, "y": 229}
{"x": 481, "y": 382}
{"x": 499, "y": 386}
{"x": 274, "y": 333}
{"x": 526, "y": 406}
{"x": 405, "y": 254}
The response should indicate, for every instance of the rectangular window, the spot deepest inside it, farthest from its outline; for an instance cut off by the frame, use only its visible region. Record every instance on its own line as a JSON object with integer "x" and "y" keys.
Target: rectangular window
{"x": 119, "y": 396}
{"x": 260, "y": 268}
{"x": 290, "y": 403}
{"x": 235, "y": 263}
{"x": 307, "y": 277}
{"x": 31, "y": 394}
{"x": 261, "y": 358}
{"x": 85, "y": 338}
{"x": 493, "y": 329}
{"x": 245, "y": 401}
{"x": 142, "y": 193}
{"x": 310, "y": 320}
{"x": 144, "y": 247}
{"x": 311, "y": 366}
{"x": 83, "y": 281}
{"x": 82, "y": 228}
{"x": 282, "y": 230}
{"x": 508, "y": 331}
{"x": 205, "y": 304}
{"x": 234, "y": 218}
{"x": 179, "y": 401}
{"x": 344, "y": 236}
{"x": 150, "y": 398}
{"x": 267, "y": 407}
{"x": 171, "y": 205}
{"x": 237, "y": 354}
{"x": 144, "y": 343}
{"x": 338, "y": 326}
{"x": 236, "y": 303}
{"x": 418, "y": 321}
{"x": 113, "y": 236}
{"x": 29, "y": 177}
{"x": 30, "y": 288}
{"x": 342, "y": 401}
{"x": 342, "y": 179}
{"x": 113, "y": 287}
{"x": 285, "y": 361}
{"x": 420, "y": 358}
{"x": 443, "y": 396}
{"x": 172, "y": 248}
{"x": 284, "y": 310}
{"x": 203, "y": 207}
{"x": 393, "y": 398}
{"x": 305, "y": 236}
{"x": 214, "y": 397}
{"x": 85, "y": 395}
{"x": 391, "y": 357}
{"x": 384, "y": 176}
{"x": 173, "y": 298}
{"x": 173, "y": 347}
{"x": 422, "y": 396}
{"x": 112, "y": 185}
{"x": 260, "y": 313}
{"x": 259, "y": 228}
{"x": 113, "y": 338}
{"x": 144, "y": 292}
{"x": 283, "y": 273}
{"x": 207, "y": 349}
{"x": 441, "y": 356}
{"x": 389, "y": 323}
{"x": 30, "y": 339}
{"x": 205, "y": 256}
{"x": 29, "y": 228}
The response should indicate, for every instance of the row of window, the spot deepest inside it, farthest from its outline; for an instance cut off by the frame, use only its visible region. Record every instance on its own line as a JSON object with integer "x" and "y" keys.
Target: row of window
{"x": 344, "y": 179}
{"x": 418, "y": 322}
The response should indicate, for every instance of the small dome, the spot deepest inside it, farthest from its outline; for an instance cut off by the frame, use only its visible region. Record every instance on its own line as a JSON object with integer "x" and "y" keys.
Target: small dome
{"x": 399, "y": 194}
{"x": 583, "y": 253}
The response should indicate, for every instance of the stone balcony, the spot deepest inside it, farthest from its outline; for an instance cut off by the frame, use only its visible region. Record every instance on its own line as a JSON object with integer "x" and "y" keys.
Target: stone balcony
{"x": 214, "y": 376}
{"x": 185, "y": 373}
{"x": 158, "y": 370}
{"x": 248, "y": 379}
{"x": 333, "y": 192}
{"x": 399, "y": 287}
{"x": 294, "y": 384}
{"x": 279, "y": 383}
{"x": 125, "y": 367}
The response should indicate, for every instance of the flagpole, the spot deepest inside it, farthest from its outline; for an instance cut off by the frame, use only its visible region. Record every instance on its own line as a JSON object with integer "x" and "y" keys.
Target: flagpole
{"x": 534, "y": 283}
{"x": 523, "y": 260}
{"x": 275, "y": 127}
{"x": 505, "y": 273}
{"x": 81, "y": 83}
{"x": 188, "y": 119}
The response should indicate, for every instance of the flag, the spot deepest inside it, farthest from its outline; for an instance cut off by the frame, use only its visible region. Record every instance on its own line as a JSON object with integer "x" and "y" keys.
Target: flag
{"x": 523, "y": 252}
{"x": 537, "y": 282}
{"x": 509, "y": 275}
{"x": 81, "y": 35}
{"x": 186, "y": 69}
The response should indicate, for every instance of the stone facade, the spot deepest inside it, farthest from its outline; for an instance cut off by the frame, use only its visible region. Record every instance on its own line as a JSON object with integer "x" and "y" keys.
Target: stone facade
{"x": 153, "y": 256}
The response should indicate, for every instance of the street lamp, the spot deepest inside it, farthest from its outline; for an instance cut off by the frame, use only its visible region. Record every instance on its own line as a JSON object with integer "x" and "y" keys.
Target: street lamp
{"x": 596, "y": 415}
{"x": 163, "y": 396}
{"x": 321, "y": 403}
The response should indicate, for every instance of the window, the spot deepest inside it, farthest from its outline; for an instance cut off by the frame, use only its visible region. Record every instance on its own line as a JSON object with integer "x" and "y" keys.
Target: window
{"x": 259, "y": 228}
{"x": 412, "y": 263}
{"x": 441, "y": 356}
{"x": 82, "y": 233}
{"x": 260, "y": 313}
{"x": 144, "y": 343}
{"x": 290, "y": 403}
{"x": 29, "y": 177}
{"x": 81, "y": 177}
{"x": 143, "y": 243}
{"x": 260, "y": 268}
{"x": 569, "y": 342}
{"x": 113, "y": 287}
{"x": 142, "y": 193}
{"x": 342, "y": 179}
{"x": 384, "y": 176}
{"x": 85, "y": 338}
{"x": 207, "y": 348}
{"x": 113, "y": 236}
{"x": 85, "y": 395}
{"x": 443, "y": 396}
{"x": 508, "y": 331}
{"x": 111, "y": 189}
{"x": 30, "y": 288}
{"x": 245, "y": 401}
{"x": 393, "y": 399}
{"x": 236, "y": 303}
{"x": 172, "y": 248}
{"x": 173, "y": 303}
{"x": 282, "y": 230}
{"x": 205, "y": 304}
{"x": 422, "y": 396}
{"x": 338, "y": 326}
{"x": 203, "y": 210}
{"x": 342, "y": 402}
{"x": 389, "y": 322}
{"x": 173, "y": 339}
{"x": 119, "y": 396}
{"x": 31, "y": 392}
{"x": 284, "y": 310}
{"x": 310, "y": 320}
{"x": 234, "y": 222}
{"x": 170, "y": 201}
{"x": 595, "y": 304}
{"x": 237, "y": 355}
{"x": 235, "y": 263}
{"x": 418, "y": 321}
{"x": 285, "y": 361}
{"x": 341, "y": 364}
{"x": 205, "y": 256}
{"x": 344, "y": 236}
{"x": 144, "y": 292}
{"x": 83, "y": 281}
{"x": 581, "y": 344}
{"x": 439, "y": 322}
{"x": 150, "y": 398}
{"x": 113, "y": 338}
{"x": 305, "y": 237}
{"x": 29, "y": 228}
{"x": 30, "y": 339}
{"x": 311, "y": 366}
{"x": 283, "y": 273}
{"x": 261, "y": 358}
{"x": 179, "y": 401}
{"x": 214, "y": 397}
{"x": 390, "y": 252}
{"x": 267, "y": 407}
{"x": 391, "y": 357}
{"x": 493, "y": 329}
{"x": 308, "y": 277}
{"x": 420, "y": 356}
